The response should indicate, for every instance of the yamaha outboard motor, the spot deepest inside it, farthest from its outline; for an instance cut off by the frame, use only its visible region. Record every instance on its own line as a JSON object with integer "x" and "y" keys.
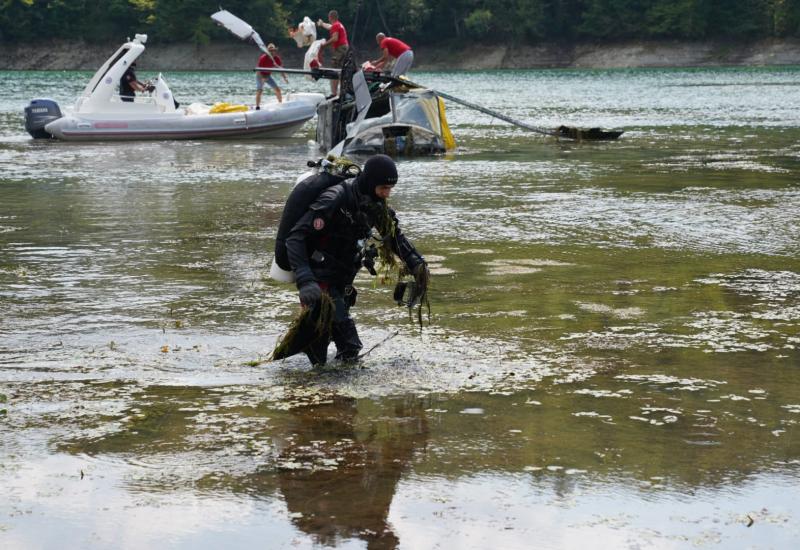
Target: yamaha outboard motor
{"x": 38, "y": 114}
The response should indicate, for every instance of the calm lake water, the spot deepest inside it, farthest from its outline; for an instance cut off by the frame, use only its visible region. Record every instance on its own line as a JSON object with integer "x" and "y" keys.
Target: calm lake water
{"x": 613, "y": 359}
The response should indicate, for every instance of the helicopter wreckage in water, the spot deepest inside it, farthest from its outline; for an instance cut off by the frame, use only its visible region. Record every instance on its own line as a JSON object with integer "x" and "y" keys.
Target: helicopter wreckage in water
{"x": 399, "y": 122}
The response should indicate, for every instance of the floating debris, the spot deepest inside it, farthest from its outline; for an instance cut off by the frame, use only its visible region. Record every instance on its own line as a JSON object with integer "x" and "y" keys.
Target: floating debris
{"x": 734, "y": 397}
{"x": 603, "y": 393}
{"x": 593, "y": 414}
{"x": 619, "y": 313}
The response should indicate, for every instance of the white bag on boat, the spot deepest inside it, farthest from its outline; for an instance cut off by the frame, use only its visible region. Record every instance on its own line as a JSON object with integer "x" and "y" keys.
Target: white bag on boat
{"x": 198, "y": 108}
{"x": 312, "y": 59}
{"x": 306, "y": 33}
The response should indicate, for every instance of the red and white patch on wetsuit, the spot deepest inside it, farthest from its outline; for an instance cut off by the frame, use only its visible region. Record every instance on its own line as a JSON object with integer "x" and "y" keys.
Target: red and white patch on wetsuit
{"x": 319, "y": 223}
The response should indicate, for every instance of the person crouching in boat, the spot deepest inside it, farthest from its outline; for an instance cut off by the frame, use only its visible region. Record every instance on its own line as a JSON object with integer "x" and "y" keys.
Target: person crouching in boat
{"x": 393, "y": 48}
{"x": 268, "y": 60}
{"x": 326, "y": 250}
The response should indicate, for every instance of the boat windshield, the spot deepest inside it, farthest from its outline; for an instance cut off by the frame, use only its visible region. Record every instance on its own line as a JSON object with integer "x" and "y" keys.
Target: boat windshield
{"x": 418, "y": 108}
{"x": 109, "y": 64}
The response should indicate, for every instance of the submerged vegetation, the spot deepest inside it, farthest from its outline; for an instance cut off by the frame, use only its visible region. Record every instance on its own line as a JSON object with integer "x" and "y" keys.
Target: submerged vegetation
{"x": 310, "y": 325}
{"x": 423, "y": 22}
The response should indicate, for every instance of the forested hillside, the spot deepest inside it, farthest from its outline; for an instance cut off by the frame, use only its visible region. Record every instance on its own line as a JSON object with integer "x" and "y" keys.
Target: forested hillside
{"x": 419, "y": 21}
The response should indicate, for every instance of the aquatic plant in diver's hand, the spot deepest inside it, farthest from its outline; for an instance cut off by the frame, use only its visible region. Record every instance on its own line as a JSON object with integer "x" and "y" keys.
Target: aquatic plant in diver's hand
{"x": 422, "y": 278}
{"x": 386, "y": 226}
{"x": 416, "y": 292}
{"x": 308, "y": 327}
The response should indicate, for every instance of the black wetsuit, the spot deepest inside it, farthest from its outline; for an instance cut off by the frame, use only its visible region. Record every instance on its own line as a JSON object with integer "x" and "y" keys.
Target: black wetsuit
{"x": 326, "y": 245}
{"x": 126, "y": 91}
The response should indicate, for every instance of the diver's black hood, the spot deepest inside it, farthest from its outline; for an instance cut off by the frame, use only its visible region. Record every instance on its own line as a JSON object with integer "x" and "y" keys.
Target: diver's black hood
{"x": 378, "y": 170}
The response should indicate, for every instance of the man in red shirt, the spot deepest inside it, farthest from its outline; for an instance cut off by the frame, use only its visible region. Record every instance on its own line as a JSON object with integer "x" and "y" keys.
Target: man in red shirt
{"x": 338, "y": 41}
{"x": 394, "y": 48}
{"x": 267, "y": 60}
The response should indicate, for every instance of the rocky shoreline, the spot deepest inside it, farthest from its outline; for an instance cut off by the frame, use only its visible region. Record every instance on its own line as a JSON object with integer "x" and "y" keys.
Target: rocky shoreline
{"x": 240, "y": 56}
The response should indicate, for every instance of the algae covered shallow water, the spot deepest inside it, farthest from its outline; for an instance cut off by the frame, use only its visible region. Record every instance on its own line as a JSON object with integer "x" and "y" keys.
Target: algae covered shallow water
{"x": 612, "y": 360}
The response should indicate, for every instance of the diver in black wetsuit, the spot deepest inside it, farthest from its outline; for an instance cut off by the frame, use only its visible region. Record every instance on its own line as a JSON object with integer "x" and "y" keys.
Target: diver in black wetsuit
{"x": 326, "y": 248}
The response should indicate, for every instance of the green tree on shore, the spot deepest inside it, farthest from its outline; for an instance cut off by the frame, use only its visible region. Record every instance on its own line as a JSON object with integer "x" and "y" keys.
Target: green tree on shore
{"x": 420, "y": 21}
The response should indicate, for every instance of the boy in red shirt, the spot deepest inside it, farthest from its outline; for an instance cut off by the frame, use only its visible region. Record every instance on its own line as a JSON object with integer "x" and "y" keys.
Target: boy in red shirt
{"x": 394, "y": 48}
{"x": 264, "y": 76}
{"x": 338, "y": 41}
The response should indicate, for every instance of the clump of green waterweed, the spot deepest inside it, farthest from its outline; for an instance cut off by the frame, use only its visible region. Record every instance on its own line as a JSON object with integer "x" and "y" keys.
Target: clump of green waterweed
{"x": 390, "y": 271}
{"x": 316, "y": 322}
{"x": 387, "y": 228}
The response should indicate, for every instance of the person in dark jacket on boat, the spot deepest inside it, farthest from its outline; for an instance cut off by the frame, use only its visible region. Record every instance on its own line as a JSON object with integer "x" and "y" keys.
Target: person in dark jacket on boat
{"x": 129, "y": 85}
{"x": 326, "y": 249}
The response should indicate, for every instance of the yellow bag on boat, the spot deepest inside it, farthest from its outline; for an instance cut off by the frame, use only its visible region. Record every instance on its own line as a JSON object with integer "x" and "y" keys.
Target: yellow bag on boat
{"x": 223, "y": 107}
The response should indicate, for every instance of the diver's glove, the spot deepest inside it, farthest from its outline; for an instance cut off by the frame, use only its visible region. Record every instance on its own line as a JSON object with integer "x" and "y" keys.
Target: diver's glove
{"x": 310, "y": 293}
{"x": 413, "y": 293}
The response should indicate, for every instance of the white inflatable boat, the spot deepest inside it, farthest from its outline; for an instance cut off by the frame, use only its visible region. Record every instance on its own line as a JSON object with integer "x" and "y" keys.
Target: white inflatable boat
{"x": 100, "y": 114}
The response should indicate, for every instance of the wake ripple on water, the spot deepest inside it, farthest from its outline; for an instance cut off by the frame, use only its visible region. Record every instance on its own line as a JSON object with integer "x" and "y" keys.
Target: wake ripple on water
{"x": 771, "y": 323}
{"x": 721, "y": 221}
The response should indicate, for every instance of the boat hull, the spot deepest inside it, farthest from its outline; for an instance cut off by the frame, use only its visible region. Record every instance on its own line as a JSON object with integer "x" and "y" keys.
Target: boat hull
{"x": 273, "y": 121}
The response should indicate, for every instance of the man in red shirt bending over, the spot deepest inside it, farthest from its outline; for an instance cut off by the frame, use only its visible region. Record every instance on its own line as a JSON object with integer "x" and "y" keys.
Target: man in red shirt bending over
{"x": 394, "y": 48}
{"x": 338, "y": 41}
{"x": 268, "y": 60}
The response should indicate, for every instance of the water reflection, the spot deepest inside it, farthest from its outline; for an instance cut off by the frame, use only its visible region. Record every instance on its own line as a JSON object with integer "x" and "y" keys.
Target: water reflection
{"x": 339, "y": 472}
{"x": 314, "y": 467}
{"x": 335, "y": 464}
